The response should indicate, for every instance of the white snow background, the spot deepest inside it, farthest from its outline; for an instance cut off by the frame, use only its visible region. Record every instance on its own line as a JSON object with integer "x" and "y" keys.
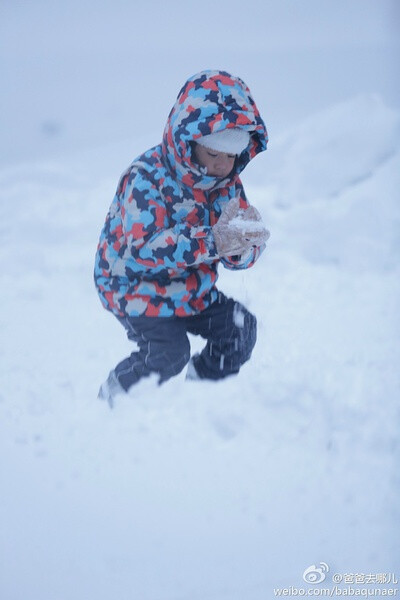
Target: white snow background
{"x": 199, "y": 490}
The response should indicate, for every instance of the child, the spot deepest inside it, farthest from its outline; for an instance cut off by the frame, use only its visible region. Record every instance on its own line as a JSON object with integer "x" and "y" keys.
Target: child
{"x": 179, "y": 211}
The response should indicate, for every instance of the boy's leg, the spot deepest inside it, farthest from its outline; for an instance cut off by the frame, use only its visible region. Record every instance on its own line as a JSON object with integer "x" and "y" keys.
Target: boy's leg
{"x": 163, "y": 348}
{"x": 231, "y": 332}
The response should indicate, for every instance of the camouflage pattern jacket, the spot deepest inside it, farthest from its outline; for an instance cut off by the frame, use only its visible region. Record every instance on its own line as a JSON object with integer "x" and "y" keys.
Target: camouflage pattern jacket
{"x": 156, "y": 255}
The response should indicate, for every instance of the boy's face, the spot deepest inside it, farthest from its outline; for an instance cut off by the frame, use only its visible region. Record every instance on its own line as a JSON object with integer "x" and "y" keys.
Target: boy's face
{"x": 218, "y": 164}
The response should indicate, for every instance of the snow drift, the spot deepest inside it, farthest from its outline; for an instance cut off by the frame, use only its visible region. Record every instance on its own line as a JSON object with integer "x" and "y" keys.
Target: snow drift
{"x": 196, "y": 489}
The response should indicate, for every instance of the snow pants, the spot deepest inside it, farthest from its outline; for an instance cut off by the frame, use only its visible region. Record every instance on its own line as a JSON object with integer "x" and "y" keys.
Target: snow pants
{"x": 229, "y": 328}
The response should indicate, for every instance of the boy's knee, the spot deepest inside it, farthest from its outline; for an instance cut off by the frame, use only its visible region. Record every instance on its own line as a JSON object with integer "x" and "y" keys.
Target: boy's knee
{"x": 246, "y": 330}
{"x": 179, "y": 355}
{"x": 173, "y": 358}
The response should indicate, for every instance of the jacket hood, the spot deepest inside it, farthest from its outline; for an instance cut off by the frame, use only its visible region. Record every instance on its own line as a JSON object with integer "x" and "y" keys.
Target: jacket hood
{"x": 209, "y": 102}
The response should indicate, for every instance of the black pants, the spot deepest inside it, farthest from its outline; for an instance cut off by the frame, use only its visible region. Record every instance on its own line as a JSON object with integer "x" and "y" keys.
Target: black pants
{"x": 229, "y": 328}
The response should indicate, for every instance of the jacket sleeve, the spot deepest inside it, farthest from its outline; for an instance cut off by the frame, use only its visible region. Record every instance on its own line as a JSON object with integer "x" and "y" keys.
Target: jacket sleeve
{"x": 247, "y": 260}
{"x": 151, "y": 243}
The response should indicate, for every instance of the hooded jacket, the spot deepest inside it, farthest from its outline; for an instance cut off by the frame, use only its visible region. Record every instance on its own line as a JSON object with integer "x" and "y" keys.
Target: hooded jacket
{"x": 156, "y": 255}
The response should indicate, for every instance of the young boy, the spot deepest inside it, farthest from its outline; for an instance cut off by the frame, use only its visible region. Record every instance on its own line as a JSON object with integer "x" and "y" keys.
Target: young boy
{"x": 179, "y": 211}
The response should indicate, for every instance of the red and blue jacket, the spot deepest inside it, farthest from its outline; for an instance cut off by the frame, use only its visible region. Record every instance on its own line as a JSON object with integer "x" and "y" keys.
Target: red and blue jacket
{"x": 156, "y": 255}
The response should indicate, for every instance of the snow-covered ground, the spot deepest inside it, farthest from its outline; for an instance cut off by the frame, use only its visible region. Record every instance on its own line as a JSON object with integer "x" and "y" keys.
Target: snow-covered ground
{"x": 195, "y": 489}
{"x": 199, "y": 490}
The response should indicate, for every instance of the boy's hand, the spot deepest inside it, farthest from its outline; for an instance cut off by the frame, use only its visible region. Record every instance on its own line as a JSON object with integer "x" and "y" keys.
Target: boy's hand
{"x": 250, "y": 223}
{"x": 237, "y": 230}
{"x": 229, "y": 240}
